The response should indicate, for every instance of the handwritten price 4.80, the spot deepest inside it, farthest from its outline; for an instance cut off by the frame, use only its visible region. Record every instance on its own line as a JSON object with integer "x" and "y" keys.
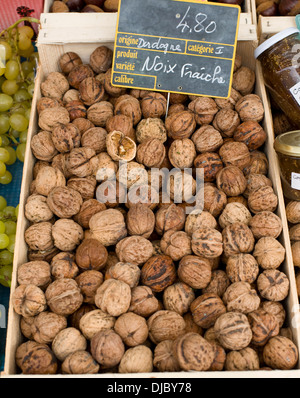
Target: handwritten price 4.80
{"x": 199, "y": 23}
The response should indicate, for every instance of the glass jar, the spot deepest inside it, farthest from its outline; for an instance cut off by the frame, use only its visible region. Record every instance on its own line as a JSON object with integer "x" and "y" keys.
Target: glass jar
{"x": 280, "y": 61}
{"x": 287, "y": 147}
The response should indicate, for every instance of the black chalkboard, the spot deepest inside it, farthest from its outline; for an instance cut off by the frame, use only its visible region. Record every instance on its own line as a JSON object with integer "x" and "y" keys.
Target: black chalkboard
{"x": 177, "y": 46}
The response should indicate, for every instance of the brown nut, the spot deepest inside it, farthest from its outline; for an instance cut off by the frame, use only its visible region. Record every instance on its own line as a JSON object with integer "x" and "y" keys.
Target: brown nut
{"x": 125, "y": 272}
{"x": 250, "y": 107}
{"x": 94, "y": 138}
{"x": 67, "y": 234}
{"x": 273, "y": 285}
{"x": 210, "y": 163}
{"x": 95, "y": 321}
{"x": 218, "y": 284}
{"x": 151, "y": 152}
{"x": 129, "y": 106}
{"x": 107, "y": 348}
{"x": 165, "y": 325}
{"x": 76, "y": 109}
{"x": 63, "y": 296}
{"x": 121, "y": 123}
{"x": 134, "y": 249}
{"x": 120, "y": 147}
{"x": 137, "y": 359}
{"x": 240, "y": 297}
{"x": 265, "y": 224}
{"x": 263, "y": 326}
{"x": 206, "y": 309}
{"x": 280, "y": 353}
{"x": 269, "y": 253}
{"x": 43, "y": 147}
{"x": 88, "y": 282}
{"x": 235, "y": 154}
{"x": 237, "y": 238}
{"x": 158, "y": 273}
{"x": 78, "y": 161}
{"x": 176, "y": 244}
{"x": 66, "y": 137}
{"x": 79, "y": 363}
{"x": 50, "y": 118}
{"x": 36, "y": 359}
{"x": 153, "y": 105}
{"x": 64, "y": 202}
{"x": 46, "y": 326}
{"x": 204, "y": 109}
{"x": 242, "y": 267}
{"x": 87, "y": 210}
{"x": 207, "y": 139}
{"x": 68, "y": 60}
{"x": 54, "y": 86}
{"x": 39, "y": 236}
{"x": 91, "y": 91}
{"x": 195, "y": 221}
{"x": 64, "y": 266}
{"x": 99, "y": 113}
{"x": 46, "y": 102}
{"x": 111, "y": 90}
{"x": 169, "y": 217}
{"x": 262, "y": 199}
{"x": 178, "y": 297}
{"x": 258, "y": 163}
{"x": 231, "y": 181}
{"x": 37, "y": 273}
{"x": 113, "y": 297}
{"x": 108, "y": 226}
{"x": 250, "y": 133}
{"x": 132, "y": 329}
{"x": 91, "y": 255}
{"x": 28, "y": 300}
{"x": 194, "y": 271}
{"x": 68, "y": 341}
{"x": 243, "y": 80}
{"x": 293, "y": 212}
{"x": 140, "y": 220}
{"x": 78, "y": 74}
{"x": 255, "y": 181}
{"x": 233, "y": 213}
{"x": 215, "y": 200}
{"x": 164, "y": 359}
{"x": 275, "y": 308}
{"x": 207, "y": 242}
{"x": 85, "y": 186}
{"x": 83, "y": 124}
{"x": 143, "y": 302}
{"x": 226, "y": 121}
{"x": 180, "y": 125}
{"x": 245, "y": 359}
{"x": 151, "y": 128}
{"x": 101, "y": 59}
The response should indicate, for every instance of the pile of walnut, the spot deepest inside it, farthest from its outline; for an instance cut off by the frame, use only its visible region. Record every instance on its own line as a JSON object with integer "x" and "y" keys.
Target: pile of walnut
{"x": 145, "y": 287}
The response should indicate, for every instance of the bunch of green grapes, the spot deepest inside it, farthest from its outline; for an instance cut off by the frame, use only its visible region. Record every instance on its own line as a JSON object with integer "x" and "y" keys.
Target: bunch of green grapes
{"x": 8, "y": 226}
{"x": 18, "y": 60}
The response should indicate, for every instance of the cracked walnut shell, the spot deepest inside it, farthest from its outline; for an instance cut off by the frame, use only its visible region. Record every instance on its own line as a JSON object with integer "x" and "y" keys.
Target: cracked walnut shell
{"x": 120, "y": 147}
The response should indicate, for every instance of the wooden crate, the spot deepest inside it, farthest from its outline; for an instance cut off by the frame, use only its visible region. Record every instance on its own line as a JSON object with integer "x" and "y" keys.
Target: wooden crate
{"x": 93, "y": 23}
{"x": 268, "y": 26}
{"x": 50, "y": 55}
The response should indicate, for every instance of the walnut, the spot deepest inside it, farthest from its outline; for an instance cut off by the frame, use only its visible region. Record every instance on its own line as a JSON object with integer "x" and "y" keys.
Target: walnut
{"x": 233, "y": 213}
{"x": 37, "y": 210}
{"x": 169, "y": 217}
{"x": 164, "y": 359}
{"x": 181, "y": 187}
{"x": 99, "y": 113}
{"x": 42, "y": 146}
{"x": 48, "y": 178}
{"x": 129, "y": 106}
{"x": 265, "y": 224}
{"x": 151, "y": 152}
{"x": 37, "y": 273}
{"x": 42, "y": 255}
{"x": 140, "y": 220}
{"x": 231, "y": 181}
{"x": 59, "y": 162}
{"x": 207, "y": 242}
{"x": 54, "y": 86}
{"x": 64, "y": 202}
{"x": 94, "y": 138}
{"x": 46, "y": 326}
{"x": 63, "y": 296}
{"x": 193, "y": 352}
{"x": 219, "y": 358}
{"x": 215, "y": 200}
{"x": 66, "y": 137}
{"x": 243, "y": 80}
{"x": 78, "y": 73}
{"x": 158, "y": 273}
{"x": 67, "y": 234}
{"x": 250, "y": 133}
{"x": 80, "y": 362}
{"x": 50, "y": 118}
{"x": 39, "y": 236}
{"x": 176, "y": 244}
{"x": 250, "y": 107}
{"x": 178, "y": 297}
{"x": 64, "y": 266}
{"x": 256, "y": 181}
{"x": 210, "y": 163}
{"x": 68, "y": 60}
{"x": 292, "y": 210}
{"x": 137, "y": 359}
{"x": 94, "y": 322}
{"x": 107, "y": 348}
{"x": 195, "y": 271}
{"x": 76, "y": 109}
{"x": 131, "y": 173}
{"x": 180, "y": 125}
{"x": 165, "y": 325}
{"x": 85, "y": 186}
{"x": 280, "y": 353}
{"x": 111, "y": 90}
{"x": 101, "y": 59}
{"x": 78, "y": 161}
{"x": 88, "y": 282}
{"x": 104, "y": 168}
{"x": 71, "y": 95}
{"x": 134, "y": 249}
{"x": 206, "y": 309}
{"x": 87, "y": 210}
{"x": 46, "y": 102}
{"x": 263, "y": 326}
{"x": 204, "y": 109}
{"x": 111, "y": 5}
{"x": 126, "y": 272}
{"x": 143, "y": 302}
{"x": 153, "y": 105}
{"x": 110, "y": 194}
{"x": 237, "y": 238}
{"x": 35, "y": 359}
{"x": 91, "y": 91}
{"x": 218, "y": 284}
{"x": 233, "y": 331}
{"x": 235, "y": 154}
{"x": 229, "y": 102}
{"x": 238, "y": 199}
{"x": 273, "y": 285}
{"x": 120, "y": 147}
{"x": 242, "y": 267}
{"x": 108, "y": 226}
{"x": 245, "y": 359}
{"x": 28, "y": 300}
{"x": 195, "y": 221}
{"x": 113, "y": 297}
{"x": 258, "y": 164}
{"x": 226, "y": 121}
{"x": 269, "y": 252}
{"x": 91, "y": 255}
{"x": 151, "y": 128}
{"x": 277, "y": 309}
{"x": 190, "y": 325}
{"x": 262, "y": 199}
{"x": 207, "y": 139}
{"x": 182, "y": 153}
{"x": 132, "y": 328}
{"x": 68, "y": 341}
{"x": 121, "y": 123}
{"x": 240, "y": 297}
{"x": 82, "y": 124}
{"x": 25, "y": 326}
{"x": 295, "y": 253}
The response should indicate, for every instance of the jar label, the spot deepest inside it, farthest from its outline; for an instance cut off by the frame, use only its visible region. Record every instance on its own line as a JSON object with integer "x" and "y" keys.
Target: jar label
{"x": 295, "y": 91}
{"x": 295, "y": 181}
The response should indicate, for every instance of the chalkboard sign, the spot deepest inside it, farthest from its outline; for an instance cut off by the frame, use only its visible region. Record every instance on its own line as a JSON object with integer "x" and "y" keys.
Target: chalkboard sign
{"x": 176, "y": 46}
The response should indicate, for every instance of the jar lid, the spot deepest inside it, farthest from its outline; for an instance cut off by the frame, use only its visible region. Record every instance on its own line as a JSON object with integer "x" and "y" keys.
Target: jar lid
{"x": 273, "y": 40}
{"x": 288, "y": 143}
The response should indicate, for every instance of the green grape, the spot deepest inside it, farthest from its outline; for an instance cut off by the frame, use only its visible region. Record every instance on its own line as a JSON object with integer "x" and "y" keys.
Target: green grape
{"x": 4, "y": 123}
{"x": 11, "y": 245}
{"x": 18, "y": 122}
{"x": 15, "y": 133}
{"x": 6, "y": 102}
{"x": 24, "y": 42}
{"x": 3, "y": 203}
{"x": 6, "y": 179}
{"x": 2, "y": 218}
{"x": 20, "y": 151}
{"x": 28, "y": 113}
{"x": 17, "y": 211}
{"x": 22, "y": 95}
{"x": 12, "y": 155}
{"x": 9, "y": 213}
{"x": 12, "y": 70}
{"x": 2, "y": 80}
{"x": 2, "y": 168}
{"x": 7, "y": 49}
{"x": 23, "y": 136}
{"x": 2, "y": 227}
{"x": 10, "y": 227}
{"x": 26, "y": 53}
{"x": 30, "y": 78}
{"x": 4, "y": 241}
{"x": 10, "y": 87}
{"x": 31, "y": 89}
{"x": 5, "y": 141}
{"x": 5, "y": 275}
{"x": 6, "y": 258}
{"x": 27, "y": 30}
{"x": 27, "y": 67}
{"x": 4, "y": 155}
